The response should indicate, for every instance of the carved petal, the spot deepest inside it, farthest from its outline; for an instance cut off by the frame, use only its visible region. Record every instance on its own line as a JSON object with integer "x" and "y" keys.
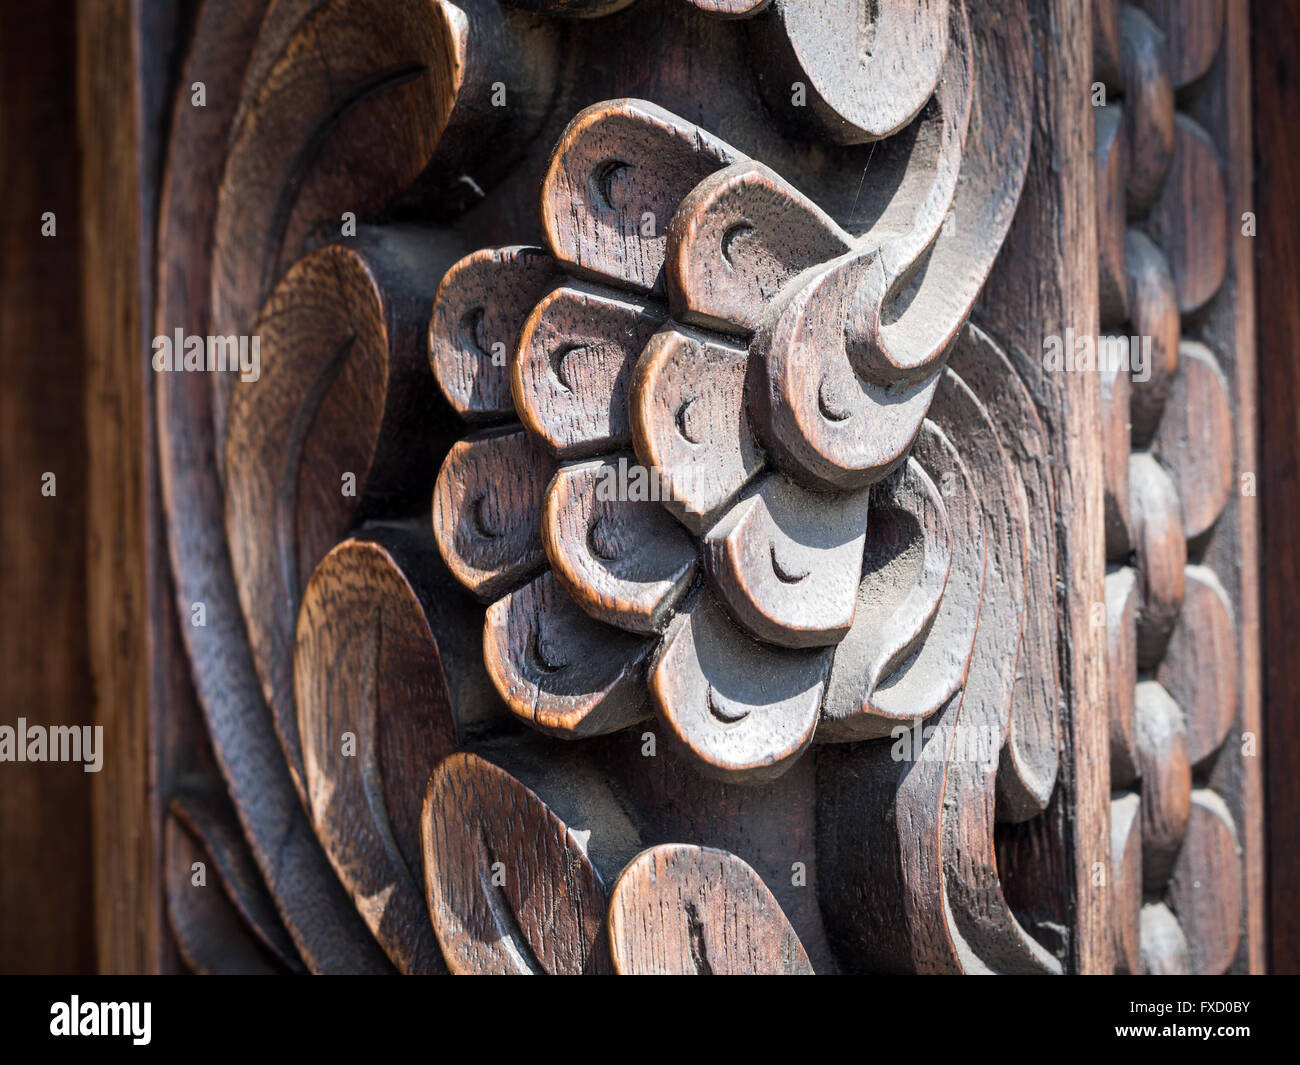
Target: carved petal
{"x": 558, "y": 669}
{"x": 576, "y": 355}
{"x": 1164, "y": 946}
{"x": 679, "y": 909}
{"x": 366, "y": 663}
{"x": 314, "y": 138}
{"x": 1153, "y": 313}
{"x": 1122, "y": 673}
{"x": 731, "y": 8}
{"x": 1126, "y": 881}
{"x": 1166, "y": 782}
{"x": 618, "y": 162}
{"x": 1199, "y": 667}
{"x": 545, "y": 913}
{"x": 687, "y": 407}
{"x": 1188, "y": 218}
{"x": 1161, "y": 555}
{"x": 203, "y": 823}
{"x": 571, "y": 8}
{"x": 206, "y": 922}
{"x": 624, "y": 561}
{"x": 909, "y": 554}
{"x": 739, "y": 236}
{"x": 823, "y": 422}
{"x": 923, "y": 196}
{"x": 481, "y": 305}
{"x": 487, "y": 507}
{"x": 1205, "y": 888}
{"x": 787, "y": 561}
{"x": 339, "y": 376}
{"x": 1194, "y": 442}
{"x": 847, "y": 54}
{"x": 746, "y": 710}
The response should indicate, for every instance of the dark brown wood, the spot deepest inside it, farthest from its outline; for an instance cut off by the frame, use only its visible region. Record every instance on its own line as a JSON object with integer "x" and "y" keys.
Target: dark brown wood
{"x": 345, "y": 399}
{"x": 1205, "y": 886}
{"x": 375, "y": 713}
{"x": 487, "y": 509}
{"x": 209, "y": 933}
{"x": 1166, "y": 781}
{"x": 326, "y": 929}
{"x": 1149, "y": 105}
{"x": 1276, "y": 450}
{"x": 1153, "y": 312}
{"x": 510, "y": 889}
{"x": 1126, "y": 881}
{"x": 116, "y": 198}
{"x": 1191, "y": 514}
{"x": 45, "y": 818}
{"x": 774, "y": 541}
{"x": 658, "y": 925}
{"x": 223, "y": 918}
{"x": 1194, "y": 30}
{"x": 1055, "y": 227}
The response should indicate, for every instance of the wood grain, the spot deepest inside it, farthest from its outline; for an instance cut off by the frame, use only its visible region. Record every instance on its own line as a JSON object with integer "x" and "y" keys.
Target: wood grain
{"x": 1125, "y": 873}
{"x": 46, "y": 827}
{"x": 487, "y": 509}
{"x": 1205, "y": 887}
{"x": 1166, "y": 782}
{"x": 1188, "y": 218}
{"x": 335, "y": 392}
{"x": 375, "y": 713}
{"x": 746, "y": 709}
{"x": 683, "y": 910}
{"x": 320, "y": 917}
{"x": 1195, "y": 442}
{"x": 1148, "y": 106}
{"x": 623, "y": 561}
{"x": 559, "y": 669}
{"x": 689, "y": 422}
{"x": 509, "y": 887}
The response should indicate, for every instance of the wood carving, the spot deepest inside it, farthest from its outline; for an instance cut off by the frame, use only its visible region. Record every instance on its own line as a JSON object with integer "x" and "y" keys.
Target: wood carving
{"x": 639, "y": 550}
{"x": 1175, "y": 645}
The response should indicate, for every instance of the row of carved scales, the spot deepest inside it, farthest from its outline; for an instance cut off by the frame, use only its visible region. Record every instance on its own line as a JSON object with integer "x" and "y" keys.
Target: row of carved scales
{"x": 724, "y": 486}
{"x": 1173, "y": 648}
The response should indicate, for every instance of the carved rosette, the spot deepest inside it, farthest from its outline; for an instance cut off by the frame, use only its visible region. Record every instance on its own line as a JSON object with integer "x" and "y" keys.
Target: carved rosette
{"x": 696, "y": 497}
{"x": 714, "y": 444}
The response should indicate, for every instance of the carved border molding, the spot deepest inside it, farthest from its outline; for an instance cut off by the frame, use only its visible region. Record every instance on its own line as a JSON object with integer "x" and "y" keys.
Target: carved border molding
{"x": 1180, "y": 599}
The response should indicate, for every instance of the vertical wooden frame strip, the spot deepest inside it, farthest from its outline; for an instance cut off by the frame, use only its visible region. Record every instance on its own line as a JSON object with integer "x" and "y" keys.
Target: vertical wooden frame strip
{"x": 1277, "y": 93}
{"x": 127, "y": 918}
{"x": 1240, "y": 173}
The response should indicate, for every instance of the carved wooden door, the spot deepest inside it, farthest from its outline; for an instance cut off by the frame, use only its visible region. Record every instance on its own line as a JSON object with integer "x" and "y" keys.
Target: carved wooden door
{"x": 706, "y": 486}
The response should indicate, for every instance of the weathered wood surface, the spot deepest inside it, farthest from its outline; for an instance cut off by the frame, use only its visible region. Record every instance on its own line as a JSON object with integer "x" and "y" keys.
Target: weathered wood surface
{"x": 743, "y": 497}
{"x": 682, "y": 910}
{"x": 1182, "y": 607}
